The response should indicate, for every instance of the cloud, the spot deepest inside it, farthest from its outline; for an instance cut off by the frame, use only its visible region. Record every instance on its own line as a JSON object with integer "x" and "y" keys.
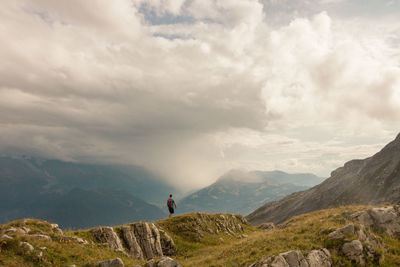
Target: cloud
{"x": 222, "y": 87}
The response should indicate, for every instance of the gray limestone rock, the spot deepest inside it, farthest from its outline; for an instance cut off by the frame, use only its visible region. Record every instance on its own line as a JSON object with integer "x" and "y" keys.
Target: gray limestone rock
{"x": 148, "y": 238}
{"x": 167, "y": 244}
{"x": 319, "y": 258}
{"x": 295, "y": 258}
{"x": 41, "y": 237}
{"x": 107, "y": 235}
{"x": 111, "y": 263}
{"x": 354, "y": 251}
{"x": 27, "y": 246}
{"x": 268, "y": 226}
{"x": 342, "y": 232}
{"x": 135, "y": 250}
{"x": 386, "y": 218}
{"x": 5, "y": 237}
{"x": 167, "y": 262}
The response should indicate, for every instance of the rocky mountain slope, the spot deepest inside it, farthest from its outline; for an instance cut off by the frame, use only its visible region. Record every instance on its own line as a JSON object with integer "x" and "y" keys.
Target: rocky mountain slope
{"x": 242, "y": 192}
{"x": 370, "y": 181}
{"x": 346, "y": 236}
{"x": 78, "y": 195}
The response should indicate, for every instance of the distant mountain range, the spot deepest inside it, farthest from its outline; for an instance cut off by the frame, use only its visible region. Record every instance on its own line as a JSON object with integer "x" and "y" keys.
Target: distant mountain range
{"x": 242, "y": 192}
{"x": 79, "y": 195}
{"x": 373, "y": 180}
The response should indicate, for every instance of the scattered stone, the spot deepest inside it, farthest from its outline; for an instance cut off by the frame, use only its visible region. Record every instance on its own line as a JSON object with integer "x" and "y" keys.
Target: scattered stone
{"x": 107, "y": 235}
{"x": 111, "y": 263}
{"x": 221, "y": 239}
{"x": 5, "y": 237}
{"x": 269, "y": 226}
{"x": 42, "y": 237}
{"x": 168, "y": 262}
{"x": 342, "y": 232}
{"x": 56, "y": 229}
{"x": 81, "y": 240}
{"x": 163, "y": 262}
{"x": 28, "y": 246}
{"x": 354, "y": 251}
{"x": 43, "y": 248}
{"x": 72, "y": 265}
{"x": 319, "y": 258}
{"x": 15, "y": 230}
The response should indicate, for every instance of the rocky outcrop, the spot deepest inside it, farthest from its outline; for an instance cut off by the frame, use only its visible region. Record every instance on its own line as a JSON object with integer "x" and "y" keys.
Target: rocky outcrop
{"x": 140, "y": 240}
{"x": 372, "y": 181}
{"x": 385, "y": 218}
{"x": 294, "y": 258}
{"x": 111, "y": 263}
{"x": 107, "y": 235}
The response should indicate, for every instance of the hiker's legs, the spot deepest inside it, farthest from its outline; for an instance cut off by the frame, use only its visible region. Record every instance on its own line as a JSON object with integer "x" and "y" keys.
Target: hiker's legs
{"x": 170, "y": 215}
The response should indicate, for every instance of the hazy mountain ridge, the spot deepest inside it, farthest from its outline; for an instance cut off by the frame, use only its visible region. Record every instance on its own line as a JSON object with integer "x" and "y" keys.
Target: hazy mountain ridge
{"x": 48, "y": 189}
{"x": 373, "y": 180}
{"x": 242, "y": 192}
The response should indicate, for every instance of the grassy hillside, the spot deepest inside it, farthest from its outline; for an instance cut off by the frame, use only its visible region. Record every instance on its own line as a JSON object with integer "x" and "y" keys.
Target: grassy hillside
{"x": 205, "y": 240}
{"x": 304, "y": 233}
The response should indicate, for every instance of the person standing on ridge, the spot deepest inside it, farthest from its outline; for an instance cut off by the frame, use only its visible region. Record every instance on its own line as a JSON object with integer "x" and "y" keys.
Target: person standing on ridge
{"x": 171, "y": 203}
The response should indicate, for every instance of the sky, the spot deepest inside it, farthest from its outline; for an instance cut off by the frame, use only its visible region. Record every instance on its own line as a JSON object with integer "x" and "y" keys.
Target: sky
{"x": 193, "y": 88}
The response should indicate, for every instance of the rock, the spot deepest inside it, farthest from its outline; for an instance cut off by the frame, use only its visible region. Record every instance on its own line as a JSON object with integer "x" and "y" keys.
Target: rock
{"x": 294, "y": 258}
{"x": 135, "y": 250}
{"x": 15, "y": 230}
{"x": 27, "y": 246}
{"x": 55, "y": 228}
{"x": 167, "y": 244}
{"x": 5, "y": 237}
{"x": 148, "y": 238}
{"x": 221, "y": 240}
{"x": 72, "y": 265}
{"x": 43, "y": 248}
{"x": 163, "y": 262}
{"x": 81, "y": 241}
{"x": 386, "y": 218}
{"x": 319, "y": 258}
{"x": 342, "y": 232}
{"x": 168, "y": 262}
{"x": 107, "y": 235}
{"x": 268, "y": 226}
{"x": 279, "y": 261}
{"x": 111, "y": 263}
{"x": 150, "y": 263}
{"x": 354, "y": 251}
{"x": 42, "y": 237}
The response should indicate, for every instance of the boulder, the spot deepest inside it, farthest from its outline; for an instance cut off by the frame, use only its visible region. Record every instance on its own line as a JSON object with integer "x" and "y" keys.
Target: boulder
{"x": 342, "y": 232}
{"x": 268, "y": 226}
{"x": 319, "y": 258}
{"x": 56, "y": 229}
{"x": 168, "y": 262}
{"x": 111, "y": 263}
{"x": 354, "y": 251}
{"x": 107, "y": 235}
{"x": 163, "y": 262}
{"x": 42, "y": 237}
{"x": 294, "y": 258}
{"x": 5, "y": 237}
{"x": 15, "y": 230}
{"x": 386, "y": 218}
{"x": 27, "y": 246}
{"x": 167, "y": 244}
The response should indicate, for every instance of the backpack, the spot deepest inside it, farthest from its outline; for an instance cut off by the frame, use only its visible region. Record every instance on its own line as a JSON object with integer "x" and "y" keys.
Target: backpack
{"x": 169, "y": 203}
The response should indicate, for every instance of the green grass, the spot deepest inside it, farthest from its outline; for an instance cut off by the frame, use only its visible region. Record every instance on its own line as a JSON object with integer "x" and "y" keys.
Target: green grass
{"x": 57, "y": 253}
